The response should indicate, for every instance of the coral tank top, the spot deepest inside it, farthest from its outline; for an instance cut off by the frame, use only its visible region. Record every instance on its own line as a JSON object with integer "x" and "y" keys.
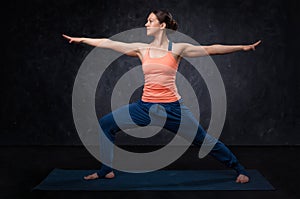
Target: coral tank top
{"x": 160, "y": 77}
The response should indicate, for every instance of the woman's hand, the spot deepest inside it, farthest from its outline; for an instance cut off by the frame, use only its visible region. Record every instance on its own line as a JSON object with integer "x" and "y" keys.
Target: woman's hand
{"x": 252, "y": 46}
{"x": 73, "y": 39}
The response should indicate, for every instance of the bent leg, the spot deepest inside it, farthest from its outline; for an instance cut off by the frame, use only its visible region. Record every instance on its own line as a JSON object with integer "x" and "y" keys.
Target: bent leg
{"x": 128, "y": 116}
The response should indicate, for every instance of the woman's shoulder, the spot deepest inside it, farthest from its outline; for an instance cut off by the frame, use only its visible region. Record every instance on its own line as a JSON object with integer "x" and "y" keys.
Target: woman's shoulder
{"x": 178, "y": 47}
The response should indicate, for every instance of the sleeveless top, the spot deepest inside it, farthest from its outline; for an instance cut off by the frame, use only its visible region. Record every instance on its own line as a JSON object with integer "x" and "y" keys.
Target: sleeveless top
{"x": 160, "y": 76}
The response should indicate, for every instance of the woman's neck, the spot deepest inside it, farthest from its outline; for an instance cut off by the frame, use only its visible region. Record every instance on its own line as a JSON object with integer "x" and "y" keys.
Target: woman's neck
{"x": 160, "y": 41}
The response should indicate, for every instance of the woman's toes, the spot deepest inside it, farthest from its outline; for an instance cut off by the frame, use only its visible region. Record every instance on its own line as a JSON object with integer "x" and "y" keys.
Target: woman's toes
{"x": 242, "y": 179}
{"x": 110, "y": 175}
{"x": 91, "y": 177}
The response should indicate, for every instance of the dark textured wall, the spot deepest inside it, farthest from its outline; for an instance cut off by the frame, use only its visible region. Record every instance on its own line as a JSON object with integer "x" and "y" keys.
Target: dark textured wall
{"x": 39, "y": 66}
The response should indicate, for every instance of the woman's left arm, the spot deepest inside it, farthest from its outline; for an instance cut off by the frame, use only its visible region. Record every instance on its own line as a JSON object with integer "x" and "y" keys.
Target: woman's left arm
{"x": 188, "y": 50}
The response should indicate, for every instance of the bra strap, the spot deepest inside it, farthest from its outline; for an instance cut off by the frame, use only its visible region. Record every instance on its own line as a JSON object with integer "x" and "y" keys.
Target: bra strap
{"x": 170, "y": 46}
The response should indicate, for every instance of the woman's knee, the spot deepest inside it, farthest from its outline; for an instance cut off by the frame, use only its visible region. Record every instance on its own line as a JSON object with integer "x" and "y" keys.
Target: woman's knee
{"x": 107, "y": 123}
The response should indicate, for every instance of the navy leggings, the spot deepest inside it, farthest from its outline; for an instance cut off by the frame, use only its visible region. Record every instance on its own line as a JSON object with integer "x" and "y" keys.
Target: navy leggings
{"x": 140, "y": 111}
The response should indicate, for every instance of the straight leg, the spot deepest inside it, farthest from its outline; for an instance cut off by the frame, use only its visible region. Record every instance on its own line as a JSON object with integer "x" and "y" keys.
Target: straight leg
{"x": 189, "y": 122}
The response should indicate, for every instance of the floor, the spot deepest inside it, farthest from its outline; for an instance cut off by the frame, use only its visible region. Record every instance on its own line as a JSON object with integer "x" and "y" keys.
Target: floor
{"x": 23, "y": 167}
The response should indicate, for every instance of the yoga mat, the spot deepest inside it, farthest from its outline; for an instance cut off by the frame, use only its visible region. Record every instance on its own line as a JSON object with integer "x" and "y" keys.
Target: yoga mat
{"x": 60, "y": 179}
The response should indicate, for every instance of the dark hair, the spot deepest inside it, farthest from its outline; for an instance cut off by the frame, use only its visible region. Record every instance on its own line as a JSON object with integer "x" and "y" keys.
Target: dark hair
{"x": 164, "y": 16}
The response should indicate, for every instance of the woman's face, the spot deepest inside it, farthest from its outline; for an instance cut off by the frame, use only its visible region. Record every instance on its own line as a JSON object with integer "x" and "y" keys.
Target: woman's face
{"x": 152, "y": 25}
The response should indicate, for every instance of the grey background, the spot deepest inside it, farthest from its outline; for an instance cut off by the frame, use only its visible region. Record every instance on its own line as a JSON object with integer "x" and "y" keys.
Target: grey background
{"x": 39, "y": 67}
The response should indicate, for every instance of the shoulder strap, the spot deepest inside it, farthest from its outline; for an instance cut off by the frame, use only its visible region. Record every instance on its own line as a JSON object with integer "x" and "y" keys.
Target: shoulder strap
{"x": 170, "y": 46}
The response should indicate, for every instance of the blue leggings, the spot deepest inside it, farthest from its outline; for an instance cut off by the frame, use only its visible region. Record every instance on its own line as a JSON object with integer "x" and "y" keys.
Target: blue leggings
{"x": 140, "y": 111}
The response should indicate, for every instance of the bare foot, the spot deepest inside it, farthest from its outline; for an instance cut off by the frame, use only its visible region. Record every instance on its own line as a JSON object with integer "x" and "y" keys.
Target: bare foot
{"x": 242, "y": 179}
{"x": 95, "y": 176}
{"x": 110, "y": 175}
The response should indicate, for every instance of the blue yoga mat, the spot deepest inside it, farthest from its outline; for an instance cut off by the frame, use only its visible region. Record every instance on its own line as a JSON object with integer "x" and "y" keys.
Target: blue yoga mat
{"x": 60, "y": 179}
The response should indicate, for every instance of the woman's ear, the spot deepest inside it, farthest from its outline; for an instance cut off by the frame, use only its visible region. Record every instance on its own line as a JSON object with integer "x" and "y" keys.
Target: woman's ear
{"x": 163, "y": 25}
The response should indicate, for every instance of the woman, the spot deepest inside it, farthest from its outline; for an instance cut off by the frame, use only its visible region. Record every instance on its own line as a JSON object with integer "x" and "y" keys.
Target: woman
{"x": 160, "y": 60}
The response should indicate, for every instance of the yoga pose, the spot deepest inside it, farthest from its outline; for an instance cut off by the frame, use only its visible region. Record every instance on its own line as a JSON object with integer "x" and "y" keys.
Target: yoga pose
{"x": 160, "y": 59}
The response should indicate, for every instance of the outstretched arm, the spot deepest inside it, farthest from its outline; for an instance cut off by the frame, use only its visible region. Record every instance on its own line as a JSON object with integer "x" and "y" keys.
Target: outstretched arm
{"x": 189, "y": 50}
{"x": 131, "y": 49}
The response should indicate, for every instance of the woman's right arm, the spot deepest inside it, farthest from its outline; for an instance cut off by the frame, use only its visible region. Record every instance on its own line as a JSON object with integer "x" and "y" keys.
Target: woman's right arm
{"x": 131, "y": 49}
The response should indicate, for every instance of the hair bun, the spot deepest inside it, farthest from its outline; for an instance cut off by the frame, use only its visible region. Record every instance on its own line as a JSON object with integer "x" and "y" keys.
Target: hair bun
{"x": 173, "y": 24}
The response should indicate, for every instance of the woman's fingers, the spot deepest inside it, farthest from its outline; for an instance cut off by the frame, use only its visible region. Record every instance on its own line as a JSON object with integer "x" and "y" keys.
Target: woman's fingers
{"x": 72, "y": 39}
{"x": 255, "y": 44}
{"x": 67, "y": 37}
